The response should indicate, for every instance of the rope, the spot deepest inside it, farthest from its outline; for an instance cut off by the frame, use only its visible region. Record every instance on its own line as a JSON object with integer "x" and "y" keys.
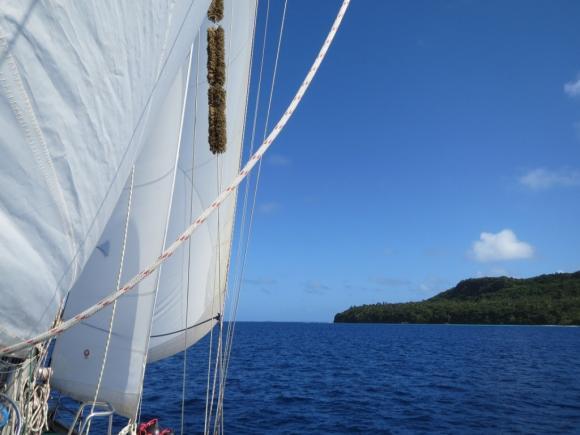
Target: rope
{"x": 240, "y": 251}
{"x": 189, "y": 241}
{"x": 64, "y": 326}
{"x": 218, "y": 356}
{"x": 232, "y": 325}
{"x": 37, "y": 420}
{"x": 29, "y": 393}
{"x": 112, "y": 321}
{"x": 137, "y": 417}
{"x": 130, "y": 429}
{"x": 206, "y": 417}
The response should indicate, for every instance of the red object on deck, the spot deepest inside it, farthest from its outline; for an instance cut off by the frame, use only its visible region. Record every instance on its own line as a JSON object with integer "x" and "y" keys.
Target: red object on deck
{"x": 152, "y": 428}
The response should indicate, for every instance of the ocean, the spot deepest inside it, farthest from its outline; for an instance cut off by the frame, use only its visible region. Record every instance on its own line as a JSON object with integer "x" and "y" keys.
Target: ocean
{"x": 316, "y": 378}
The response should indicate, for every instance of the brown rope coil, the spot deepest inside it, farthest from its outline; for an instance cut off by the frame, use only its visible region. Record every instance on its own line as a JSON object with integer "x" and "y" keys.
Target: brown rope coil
{"x": 216, "y": 93}
{"x": 215, "y": 12}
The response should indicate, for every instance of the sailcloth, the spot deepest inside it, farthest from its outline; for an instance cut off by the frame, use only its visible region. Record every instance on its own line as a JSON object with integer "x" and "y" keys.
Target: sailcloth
{"x": 193, "y": 281}
{"x": 81, "y": 86}
{"x": 79, "y": 353}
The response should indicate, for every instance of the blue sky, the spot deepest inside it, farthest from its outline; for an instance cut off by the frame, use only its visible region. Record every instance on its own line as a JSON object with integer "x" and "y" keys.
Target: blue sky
{"x": 439, "y": 141}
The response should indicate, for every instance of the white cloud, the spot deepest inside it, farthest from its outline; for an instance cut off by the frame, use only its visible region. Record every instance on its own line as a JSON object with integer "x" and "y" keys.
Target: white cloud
{"x": 500, "y": 247}
{"x": 279, "y": 160}
{"x": 269, "y": 207}
{"x": 315, "y": 287}
{"x": 260, "y": 281}
{"x": 572, "y": 89}
{"x": 385, "y": 281}
{"x": 542, "y": 179}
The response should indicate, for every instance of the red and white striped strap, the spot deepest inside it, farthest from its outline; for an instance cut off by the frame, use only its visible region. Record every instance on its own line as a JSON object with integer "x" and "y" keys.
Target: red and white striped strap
{"x": 63, "y": 326}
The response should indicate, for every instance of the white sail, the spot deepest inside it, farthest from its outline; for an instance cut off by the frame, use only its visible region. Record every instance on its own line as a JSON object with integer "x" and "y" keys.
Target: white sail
{"x": 203, "y": 264}
{"x": 79, "y": 353}
{"x": 80, "y": 84}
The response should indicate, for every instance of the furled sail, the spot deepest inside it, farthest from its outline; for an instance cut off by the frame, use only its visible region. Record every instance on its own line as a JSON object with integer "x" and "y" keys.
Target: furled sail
{"x": 81, "y": 86}
{"x": 182, "y": 317}
{"x": 79, "y": 353}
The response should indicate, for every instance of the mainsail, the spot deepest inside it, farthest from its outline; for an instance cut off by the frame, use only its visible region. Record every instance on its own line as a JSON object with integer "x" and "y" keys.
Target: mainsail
{"x": 80, "y": 84}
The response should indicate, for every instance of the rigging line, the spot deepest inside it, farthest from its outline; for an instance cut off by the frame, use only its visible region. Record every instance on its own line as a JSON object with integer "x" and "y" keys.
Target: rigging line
{"x": 239, "y": 249}
{"x": 244, "y": 255}
{"x": 167, "y": 220}
{"x": 248, "y": 81}
{"x": 195, "y": 325}
{"x": 64, "y": 326}
{"x": 281, "y": 33}
{"x": 197, "y": 66}
{"x": 244, "y": 124}
{"x": 219, "y": 179}
{"x": 253, "y": 135}
{"x": 219, "y": 352}
{"x": 206, "y": 419}
{"x": 122, "y": 262}
{"x": 208, "y": 401}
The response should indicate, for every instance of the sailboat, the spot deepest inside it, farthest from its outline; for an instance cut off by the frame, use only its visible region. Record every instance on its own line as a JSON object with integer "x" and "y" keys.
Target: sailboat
{"x": 122, "y": 130}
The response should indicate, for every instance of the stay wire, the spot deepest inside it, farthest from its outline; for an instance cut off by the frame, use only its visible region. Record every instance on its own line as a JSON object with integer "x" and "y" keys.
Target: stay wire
{"x": 183, "y": 386}
{"x": 244, "y": 257}
{"x": 218, "y": 356}
{"x": 239, "y": 250}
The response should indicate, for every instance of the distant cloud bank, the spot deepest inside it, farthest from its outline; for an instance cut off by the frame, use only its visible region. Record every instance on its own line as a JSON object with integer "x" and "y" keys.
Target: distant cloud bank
{"x": 500, "y": 247}
{"x": 542, "y": 179}
{"x": 572, "y": 89}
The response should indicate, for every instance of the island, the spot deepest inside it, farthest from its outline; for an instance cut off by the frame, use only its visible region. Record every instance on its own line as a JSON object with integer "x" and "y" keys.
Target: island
{"x": 542, "y": 300}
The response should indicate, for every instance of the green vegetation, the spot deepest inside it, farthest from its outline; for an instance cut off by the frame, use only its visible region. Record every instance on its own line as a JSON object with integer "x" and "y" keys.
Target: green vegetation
{"x": 542, "y": 300}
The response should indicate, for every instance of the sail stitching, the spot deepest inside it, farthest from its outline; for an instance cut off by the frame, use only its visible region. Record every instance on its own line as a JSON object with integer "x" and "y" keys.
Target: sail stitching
{"x": 206, "y": 213}
{"x": 28, "y": 121}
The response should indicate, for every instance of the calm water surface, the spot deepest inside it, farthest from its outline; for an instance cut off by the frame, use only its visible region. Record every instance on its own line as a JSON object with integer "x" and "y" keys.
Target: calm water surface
{"x": 399, "y": 379}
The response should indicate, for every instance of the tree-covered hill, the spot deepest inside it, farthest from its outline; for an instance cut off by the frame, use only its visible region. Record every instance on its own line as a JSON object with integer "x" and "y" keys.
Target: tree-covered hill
{"x": 542, "y": 300}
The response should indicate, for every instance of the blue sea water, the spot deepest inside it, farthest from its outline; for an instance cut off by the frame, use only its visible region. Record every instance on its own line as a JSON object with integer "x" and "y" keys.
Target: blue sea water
{"x": 302, "y": 378}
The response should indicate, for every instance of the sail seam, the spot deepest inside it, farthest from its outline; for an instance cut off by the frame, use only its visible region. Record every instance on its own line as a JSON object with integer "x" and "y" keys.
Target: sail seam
{"x": 28, "y": 121}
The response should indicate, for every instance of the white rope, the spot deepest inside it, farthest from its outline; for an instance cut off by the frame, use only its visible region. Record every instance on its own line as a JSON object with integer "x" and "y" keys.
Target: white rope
{"x": 37, "y": 420}
{"x": 189, "y": 217}
{"x": 240, "y": 251}
{"x": 112, "y": 321}
{"x": 218, "y": 356}
{"x": 239, "y": 248}
{"x": 31, "y": 394}
{"x": 64, "y": 326}
{"x": 130, "y": 429}
{"x": 231, "y": 326}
